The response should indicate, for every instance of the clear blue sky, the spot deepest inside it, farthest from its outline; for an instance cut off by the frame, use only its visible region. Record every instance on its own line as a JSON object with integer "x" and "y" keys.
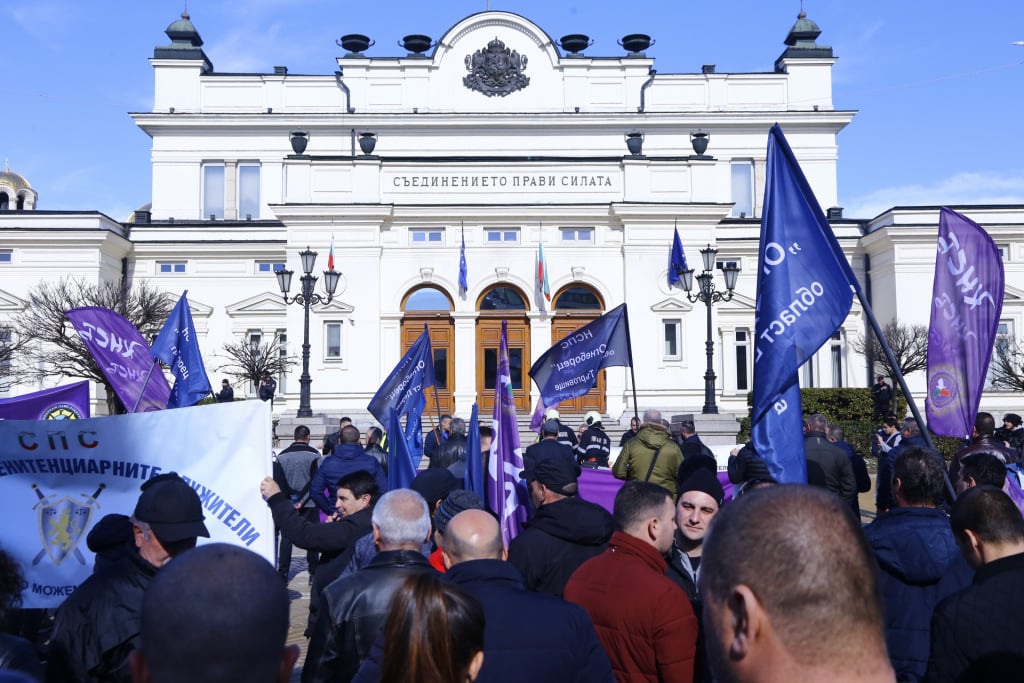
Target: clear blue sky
{"x": 938, "y": 85}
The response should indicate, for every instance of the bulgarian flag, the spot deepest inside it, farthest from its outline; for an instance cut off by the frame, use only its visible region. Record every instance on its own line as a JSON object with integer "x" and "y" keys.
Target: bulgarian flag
{"x": 330, "y": 255}
{"x": 542, "y": 272}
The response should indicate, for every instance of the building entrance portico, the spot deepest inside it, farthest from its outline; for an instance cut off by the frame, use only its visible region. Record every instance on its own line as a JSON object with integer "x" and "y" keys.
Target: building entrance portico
{"x": 502, "y": 302}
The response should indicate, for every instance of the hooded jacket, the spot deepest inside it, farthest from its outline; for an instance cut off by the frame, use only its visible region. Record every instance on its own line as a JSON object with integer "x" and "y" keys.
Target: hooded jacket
{"x": 636, "y": 456}
{"x": 347, "y": 458}
{"x": 920, "y": 565}
{"x": 561, "y": 536}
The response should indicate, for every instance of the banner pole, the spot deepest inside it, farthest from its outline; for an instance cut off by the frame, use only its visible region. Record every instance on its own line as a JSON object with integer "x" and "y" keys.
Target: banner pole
{"x": 144, "y": 385}
{"x": 632, "y": 372}
{"x": 903, "y": 382}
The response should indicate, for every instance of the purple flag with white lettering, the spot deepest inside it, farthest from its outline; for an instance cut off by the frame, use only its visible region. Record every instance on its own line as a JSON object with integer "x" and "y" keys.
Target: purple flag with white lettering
{"x": 506, "y": 493}
{"x": 70, "y": 402}
{"x": 967, "y": 298}
{"x": 123, "y": 356}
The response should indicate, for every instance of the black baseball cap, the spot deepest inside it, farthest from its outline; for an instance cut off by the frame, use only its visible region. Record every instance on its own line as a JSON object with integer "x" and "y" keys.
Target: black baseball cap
{"x": 171, "y": 509}
{"x": 554, "y": 472}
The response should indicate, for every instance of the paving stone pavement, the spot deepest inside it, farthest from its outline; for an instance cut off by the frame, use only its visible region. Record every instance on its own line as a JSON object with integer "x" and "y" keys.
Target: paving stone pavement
{"x": 298, "y": 591}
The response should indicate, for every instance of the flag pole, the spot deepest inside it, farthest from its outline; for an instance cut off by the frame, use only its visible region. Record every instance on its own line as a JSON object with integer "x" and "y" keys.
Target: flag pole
{"x": 437, "y": 401}
{"x": 144, "y": 385}
{"x": 632, "y": 372}
{"x": 877, "y": 329}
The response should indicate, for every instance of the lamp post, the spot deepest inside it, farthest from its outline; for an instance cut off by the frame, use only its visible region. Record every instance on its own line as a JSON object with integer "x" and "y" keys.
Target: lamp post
{"x": 306, "y": 298}
{"x": 709, "y": 294}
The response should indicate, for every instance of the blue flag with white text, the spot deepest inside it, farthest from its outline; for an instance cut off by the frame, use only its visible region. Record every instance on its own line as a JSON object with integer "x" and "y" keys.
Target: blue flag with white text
{"x": 676, "y": 261}
{"x": 178, "y": 347}
{"x": 569, "y": 368}
{"x": 804, "y": 292}
{"x": 402, "y": 391}
{"x": 401, "y": 469}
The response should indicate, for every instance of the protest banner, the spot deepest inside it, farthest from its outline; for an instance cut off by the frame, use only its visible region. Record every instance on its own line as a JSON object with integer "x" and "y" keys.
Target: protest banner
{"x": 58, "y": 479}
{"x": 69, "y": 402}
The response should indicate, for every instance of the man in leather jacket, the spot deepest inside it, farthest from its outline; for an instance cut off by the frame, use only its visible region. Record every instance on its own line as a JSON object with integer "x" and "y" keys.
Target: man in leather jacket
{"x": 354, "y": 607}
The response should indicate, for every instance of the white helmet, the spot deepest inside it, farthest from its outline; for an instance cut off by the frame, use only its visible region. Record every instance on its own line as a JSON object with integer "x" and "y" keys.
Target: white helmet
{"x": 551, "y": 414}
{"x": 591, "y": 418}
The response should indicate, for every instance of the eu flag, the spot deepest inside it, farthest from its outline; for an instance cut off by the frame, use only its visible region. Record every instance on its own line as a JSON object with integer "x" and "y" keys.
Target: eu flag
{"x": 676, "y": 261}
{"x": 178, "y": 347}
{"x": 804, "y": 292}
{"x": 463, "y": 271}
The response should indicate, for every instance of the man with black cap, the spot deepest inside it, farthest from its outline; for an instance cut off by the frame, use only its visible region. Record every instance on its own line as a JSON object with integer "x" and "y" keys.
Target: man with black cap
{"x": 98, "y": 625}
{"x": 548, "y": 447}
{"x": 700, "y": 497}
{"x": 565, "y": 532}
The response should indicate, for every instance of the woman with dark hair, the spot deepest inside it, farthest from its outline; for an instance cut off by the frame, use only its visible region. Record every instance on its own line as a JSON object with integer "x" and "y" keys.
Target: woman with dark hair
{"x": 434, "y": 634}
{"x": 374, "y": 437}
{"x": 16, "y": 654}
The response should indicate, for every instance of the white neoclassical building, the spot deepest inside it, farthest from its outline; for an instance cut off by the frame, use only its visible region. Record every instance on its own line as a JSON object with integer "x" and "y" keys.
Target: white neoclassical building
{"x": 498, "y": 135}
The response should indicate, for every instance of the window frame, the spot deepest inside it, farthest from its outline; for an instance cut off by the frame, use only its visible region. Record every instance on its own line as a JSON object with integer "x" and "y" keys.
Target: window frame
{"x": 739, "y": 210}
{"x": 503, "y": 233}
{"x": 272, "y": 270}
{"x": 176, "y": 267}
{"x": 575, "y": 231}
{"x": 242, "y": 214}
{"x": 743, "y": 347}
{"x": 204, "y": 208}
{"x": 6, "y": 256}
{"x": 340, "y": 326}
{"x": 427, "y": 232}
{"x": 678, "y": 355}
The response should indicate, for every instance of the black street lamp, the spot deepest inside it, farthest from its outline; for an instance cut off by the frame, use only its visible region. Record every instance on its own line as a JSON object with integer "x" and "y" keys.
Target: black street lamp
{"x": 306, "y": 298}
{"x": 710, "y": 295}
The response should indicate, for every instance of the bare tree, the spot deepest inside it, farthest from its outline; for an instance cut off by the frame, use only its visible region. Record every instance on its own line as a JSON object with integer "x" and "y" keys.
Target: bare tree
{"x": 248, "y": 360}
{"x": 909, "y": 344}
{"x": 1007, "y": 366}
{"x": 48, "y": 344}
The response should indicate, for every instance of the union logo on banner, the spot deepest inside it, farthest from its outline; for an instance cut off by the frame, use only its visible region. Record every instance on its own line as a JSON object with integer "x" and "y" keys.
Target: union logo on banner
{"x": 62, "y": 411}
{"x": 943, "y": 389}
{"x": 62, "y": 524}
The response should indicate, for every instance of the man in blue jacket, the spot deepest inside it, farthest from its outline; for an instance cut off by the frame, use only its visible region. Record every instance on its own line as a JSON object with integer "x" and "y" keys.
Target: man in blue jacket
{"x": 348, "y": 457}
{"x": 918, "y": 557}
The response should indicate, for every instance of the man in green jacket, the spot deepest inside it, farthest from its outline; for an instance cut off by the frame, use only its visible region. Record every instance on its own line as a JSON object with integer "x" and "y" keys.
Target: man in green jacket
{"x": 651, "y": 455}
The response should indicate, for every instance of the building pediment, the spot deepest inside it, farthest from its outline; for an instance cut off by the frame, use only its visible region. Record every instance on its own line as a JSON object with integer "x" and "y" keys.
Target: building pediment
{"x": 1012, "y": 294}
{"x": 672, "y": 305}
{"x": 10, "y": 303}
{"x": 263, "y": 304}
{"x": 199, "y": 309}
{"x": 336, "y": 306}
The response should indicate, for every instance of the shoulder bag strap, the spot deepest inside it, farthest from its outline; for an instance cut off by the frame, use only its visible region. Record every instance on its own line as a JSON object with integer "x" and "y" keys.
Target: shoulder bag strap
{"x": 654, "y": 461}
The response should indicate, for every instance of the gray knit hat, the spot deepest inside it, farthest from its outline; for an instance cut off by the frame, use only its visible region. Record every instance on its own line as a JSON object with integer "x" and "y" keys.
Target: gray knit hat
{"x": 456, "y": 502}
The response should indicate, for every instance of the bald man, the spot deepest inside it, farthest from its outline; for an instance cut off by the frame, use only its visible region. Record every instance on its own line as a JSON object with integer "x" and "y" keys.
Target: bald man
{"x": 790, "y": 592}
{"x": 216, "y": 614}
{"x": 527, "y": 636}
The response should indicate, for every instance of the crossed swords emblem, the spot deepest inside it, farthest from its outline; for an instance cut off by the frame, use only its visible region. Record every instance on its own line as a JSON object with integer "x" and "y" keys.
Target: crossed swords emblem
{"x": 62, "y": 523}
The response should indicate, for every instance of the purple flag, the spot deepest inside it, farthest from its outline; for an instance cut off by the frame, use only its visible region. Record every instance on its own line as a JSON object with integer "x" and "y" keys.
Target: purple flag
{"x": 69, "y": 402}
{"x": 506, "y": 493}
{"x": 967, "y": 298}
{"x": 123, "y": 356}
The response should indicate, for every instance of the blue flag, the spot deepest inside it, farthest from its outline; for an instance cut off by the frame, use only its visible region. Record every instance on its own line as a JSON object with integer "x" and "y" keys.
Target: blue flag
{"x": 676, "y": 261}
{"x": 403, "y": 389}
{"x": 804, "y": 292}
{"x": 401, "y": 470}
{"x": 473, "y": 479}
{"x": 569, "y": 368}
{"x": 506, "y": 492}
{"x": 178, "y": 347}
{"x": 463, "y": 283}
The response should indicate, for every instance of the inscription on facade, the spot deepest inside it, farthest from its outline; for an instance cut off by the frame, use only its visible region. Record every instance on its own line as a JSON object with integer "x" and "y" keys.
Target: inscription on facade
{"x": 501, "y": 181}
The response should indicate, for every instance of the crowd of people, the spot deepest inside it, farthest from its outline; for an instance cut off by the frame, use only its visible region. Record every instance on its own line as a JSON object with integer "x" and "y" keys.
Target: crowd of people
{"x": 678, "y": 582}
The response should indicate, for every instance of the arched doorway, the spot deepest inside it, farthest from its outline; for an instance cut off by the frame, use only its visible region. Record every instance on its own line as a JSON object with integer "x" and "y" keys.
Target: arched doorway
{"x": 502, "y": 302}
{"x": 575, "y": 306}
{"x": 433, "y": 307}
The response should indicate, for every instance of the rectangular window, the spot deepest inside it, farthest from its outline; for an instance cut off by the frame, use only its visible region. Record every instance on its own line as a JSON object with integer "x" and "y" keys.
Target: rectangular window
{"x": 282, "y": 354}
{"x": 266, "y": 267}
{"x": 515, "y": 363}
{"x": 672, "y": 331}
{"x": 248, "y": 191}
{"x": 426, "y": 236}
{"x": 441, "y": 369}
{"x": 171, "y": 267}
{"x": 213, "y": 191}
{"x": 6, "y": 255}
{"x": 6, "y": 339}
{"x": 1003, "y": 348}
{"x": 577, "y": 234}
{"x": 742, "y": 360}
{"x": 742, "y": 189}
{"x": 332, "y": 345}
{"x": 836, "y": 350}
{"x": 807, "y": 379}
{"x": 503, "y": 235}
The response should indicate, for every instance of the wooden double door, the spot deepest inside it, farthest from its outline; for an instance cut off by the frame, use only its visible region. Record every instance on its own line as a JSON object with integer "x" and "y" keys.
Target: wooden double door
{"x": 488, "y": 340}
{"x": 442, "y": 343}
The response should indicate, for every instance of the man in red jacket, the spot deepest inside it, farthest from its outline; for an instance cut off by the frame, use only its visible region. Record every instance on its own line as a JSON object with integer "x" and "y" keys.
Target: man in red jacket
{"x": 643, "y": 619}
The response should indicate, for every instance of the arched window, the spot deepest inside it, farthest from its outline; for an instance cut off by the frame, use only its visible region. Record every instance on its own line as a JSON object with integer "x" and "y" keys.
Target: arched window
{"x": 427, "y": 299}
{"x": 21, "y": 202}
{"x": 502, "y": 299}
{"x": 578, "y": 298}
{"x": 5, "y": 202}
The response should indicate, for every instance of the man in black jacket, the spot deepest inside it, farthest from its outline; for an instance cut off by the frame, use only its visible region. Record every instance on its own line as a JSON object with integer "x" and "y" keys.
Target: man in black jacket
{"x": 293, "y": 472}
{"x": 548, "y": 447}
{"x": 452, "y": 449}
{"x": 828, "y": 466}
{"x": 700, "y": 497}
{"x": 98, "y": 625}
{"x": 565, "y": 532}
{"x": 983, "y": 440}
{"x": 976, "y": 633}
{"x": 354, "y": 607}
{"x": 594, "y": 446}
